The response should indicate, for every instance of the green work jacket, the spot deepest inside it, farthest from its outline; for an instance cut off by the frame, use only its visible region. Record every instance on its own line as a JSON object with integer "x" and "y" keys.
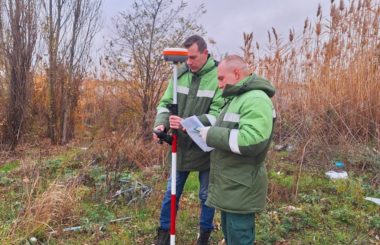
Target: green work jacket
{"x": 241, "y": 137}
{"x": 197, "y": 94}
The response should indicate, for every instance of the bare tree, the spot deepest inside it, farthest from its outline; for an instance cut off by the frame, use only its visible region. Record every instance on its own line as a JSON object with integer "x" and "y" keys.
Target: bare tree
{"x": 70, "y": 28}
{"x": 18, "y": 35}
{"x": 135, "y": 53}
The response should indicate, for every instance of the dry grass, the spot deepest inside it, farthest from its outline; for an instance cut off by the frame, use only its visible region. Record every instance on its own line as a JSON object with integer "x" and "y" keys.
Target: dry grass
{"x": 327, "y": 77}
{"x": 125, "y": 150}
{"x": 43, "y": 212}
{"x": 128, "y": 148}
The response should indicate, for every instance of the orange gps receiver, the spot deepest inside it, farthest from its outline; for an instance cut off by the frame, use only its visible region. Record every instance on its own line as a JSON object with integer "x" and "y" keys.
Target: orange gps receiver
{"x": 175, "y": 55}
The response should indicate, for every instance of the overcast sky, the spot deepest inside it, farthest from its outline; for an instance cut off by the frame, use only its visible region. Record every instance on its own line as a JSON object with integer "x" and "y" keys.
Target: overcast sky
{"x": 226, "y": 20}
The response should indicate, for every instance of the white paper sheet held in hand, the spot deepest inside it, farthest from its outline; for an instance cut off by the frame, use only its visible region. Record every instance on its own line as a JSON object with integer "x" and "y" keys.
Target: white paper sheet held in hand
{"x": 191, "y": 124}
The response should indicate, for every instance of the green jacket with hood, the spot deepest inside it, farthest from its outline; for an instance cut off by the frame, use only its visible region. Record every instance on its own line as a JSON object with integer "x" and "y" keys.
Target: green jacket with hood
{"x": 241, "y": 137}
{"x": 197, "y": 94}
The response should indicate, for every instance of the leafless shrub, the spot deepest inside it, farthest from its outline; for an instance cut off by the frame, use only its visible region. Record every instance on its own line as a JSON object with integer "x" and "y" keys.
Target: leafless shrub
{"x": 123, "y": 150}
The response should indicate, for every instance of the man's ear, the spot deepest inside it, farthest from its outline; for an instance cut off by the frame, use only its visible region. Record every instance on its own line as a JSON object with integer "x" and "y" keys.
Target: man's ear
{"x": 237, "y": 74}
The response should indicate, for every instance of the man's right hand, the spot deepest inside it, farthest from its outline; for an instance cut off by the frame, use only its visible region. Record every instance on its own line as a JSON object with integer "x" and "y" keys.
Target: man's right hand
{"x": 158, "y": 128}
{"x": 175, "y": 122}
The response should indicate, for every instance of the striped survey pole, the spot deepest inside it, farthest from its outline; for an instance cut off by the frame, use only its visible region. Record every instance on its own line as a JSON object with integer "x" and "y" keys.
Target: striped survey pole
{"x": 173, "y": 198}
{"x": 174, "y": 55}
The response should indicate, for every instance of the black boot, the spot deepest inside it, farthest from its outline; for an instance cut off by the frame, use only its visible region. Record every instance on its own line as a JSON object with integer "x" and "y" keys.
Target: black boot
{"x": 204, "y": 238}
{"x": 163, "y": 237}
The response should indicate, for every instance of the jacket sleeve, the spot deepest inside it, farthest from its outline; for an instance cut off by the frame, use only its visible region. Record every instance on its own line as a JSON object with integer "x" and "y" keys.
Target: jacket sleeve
{"x": 217, "y": 102}
{"x": 163, "y": 113}
{"x": 253, "y": 133}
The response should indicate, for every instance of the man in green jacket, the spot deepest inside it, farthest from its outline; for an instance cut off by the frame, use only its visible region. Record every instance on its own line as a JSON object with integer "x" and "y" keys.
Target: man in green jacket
{"x": 197, "y": 94}
{"x": 241, "y": 137}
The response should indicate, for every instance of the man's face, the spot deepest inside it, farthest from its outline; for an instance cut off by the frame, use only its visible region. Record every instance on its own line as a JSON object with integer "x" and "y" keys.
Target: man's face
{"x": 226, "y": 76}
{"x": 196, "y": 59}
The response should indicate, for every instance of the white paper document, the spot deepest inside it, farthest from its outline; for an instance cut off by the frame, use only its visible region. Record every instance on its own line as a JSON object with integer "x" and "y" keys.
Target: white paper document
{"x": 191, "y": 124}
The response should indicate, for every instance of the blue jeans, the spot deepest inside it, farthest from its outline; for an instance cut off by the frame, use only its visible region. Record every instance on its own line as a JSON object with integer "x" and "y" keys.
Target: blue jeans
{"x": 207, "y": 213}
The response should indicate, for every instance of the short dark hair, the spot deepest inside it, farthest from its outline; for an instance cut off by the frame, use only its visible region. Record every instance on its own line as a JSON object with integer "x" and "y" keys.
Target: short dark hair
{"x": 195, "y": 39}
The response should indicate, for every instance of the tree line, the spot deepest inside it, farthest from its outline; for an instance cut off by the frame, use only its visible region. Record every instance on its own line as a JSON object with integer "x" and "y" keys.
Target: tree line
{"x": 51, "y": 42}
{"x": 49, "y": 37}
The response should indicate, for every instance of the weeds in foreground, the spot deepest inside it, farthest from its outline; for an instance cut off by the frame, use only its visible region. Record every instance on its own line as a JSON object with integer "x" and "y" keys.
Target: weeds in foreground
{"x": 81, "y": 210}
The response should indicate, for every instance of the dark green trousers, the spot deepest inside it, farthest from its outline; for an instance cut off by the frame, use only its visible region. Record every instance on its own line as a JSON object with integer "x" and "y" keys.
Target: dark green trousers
{"x": 238, "y": 229}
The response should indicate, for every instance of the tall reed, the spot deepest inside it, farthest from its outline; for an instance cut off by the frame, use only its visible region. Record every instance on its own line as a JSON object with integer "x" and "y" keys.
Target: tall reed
{"x": 327, "y": 77}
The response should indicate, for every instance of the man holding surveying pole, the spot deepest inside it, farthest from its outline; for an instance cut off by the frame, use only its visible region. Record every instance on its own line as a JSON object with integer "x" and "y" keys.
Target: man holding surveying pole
{"x": 198, "y": 94}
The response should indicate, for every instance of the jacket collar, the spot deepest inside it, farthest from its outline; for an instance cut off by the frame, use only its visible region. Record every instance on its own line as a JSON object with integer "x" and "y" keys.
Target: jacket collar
{"x": 252, "y": 82}
{"x": 207, "y": 67}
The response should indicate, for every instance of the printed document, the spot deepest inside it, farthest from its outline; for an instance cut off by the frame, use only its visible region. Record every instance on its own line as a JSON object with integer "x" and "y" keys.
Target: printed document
{"x": 191, "y": 124}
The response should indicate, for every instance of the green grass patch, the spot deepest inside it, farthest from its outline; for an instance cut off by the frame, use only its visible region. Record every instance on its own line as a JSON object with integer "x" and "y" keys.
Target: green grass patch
{"x": 8, "y": 167}
{"x": 281, "y": 179}
{"x": 325, "y": 211}
{"x": 192, "y": 183}
{"x": 96, "y": 213}
{"x": 64, "y": 164}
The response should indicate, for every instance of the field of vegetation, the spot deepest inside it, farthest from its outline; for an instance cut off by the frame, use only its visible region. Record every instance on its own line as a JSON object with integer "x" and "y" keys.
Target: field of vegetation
{"x": 77, "y": 164}
{"x": 69, "y": 197}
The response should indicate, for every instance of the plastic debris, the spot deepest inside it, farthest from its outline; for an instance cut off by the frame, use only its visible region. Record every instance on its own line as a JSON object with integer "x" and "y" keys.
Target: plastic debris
{"x": 74, "y": 228}
{"x": 336, "y": 175}
{"x": 290, "y": 208}
{"x": 373, "y": 199}
{"x": 132, "y": 191}
{"x": 33, "y": 240}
